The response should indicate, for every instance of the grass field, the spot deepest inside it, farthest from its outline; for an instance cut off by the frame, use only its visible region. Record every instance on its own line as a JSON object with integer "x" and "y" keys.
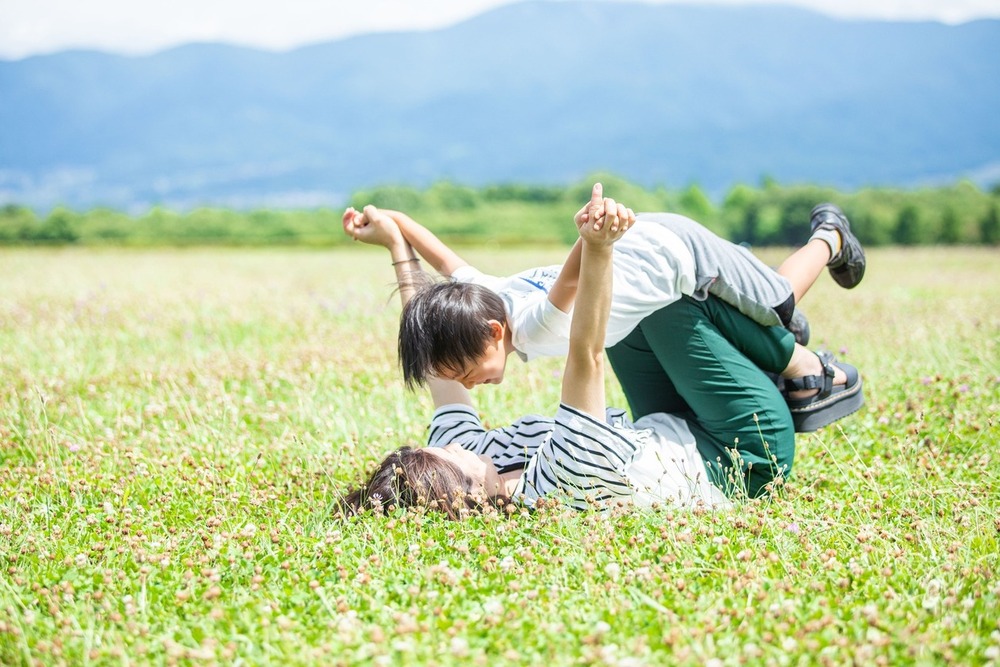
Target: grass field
{"x": 175, "y": 427}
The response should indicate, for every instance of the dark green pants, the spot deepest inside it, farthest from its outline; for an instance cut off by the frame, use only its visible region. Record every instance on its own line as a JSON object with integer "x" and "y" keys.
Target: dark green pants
{"x": 702, "y": 360}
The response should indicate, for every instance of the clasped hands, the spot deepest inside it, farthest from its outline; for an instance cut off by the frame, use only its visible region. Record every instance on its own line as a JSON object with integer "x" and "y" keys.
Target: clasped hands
{"x": 602, "y": 220}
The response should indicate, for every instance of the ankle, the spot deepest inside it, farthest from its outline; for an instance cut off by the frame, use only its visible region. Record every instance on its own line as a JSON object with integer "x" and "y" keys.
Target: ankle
{"x": 831, "y": 237}
{"x": 803, "y": 362}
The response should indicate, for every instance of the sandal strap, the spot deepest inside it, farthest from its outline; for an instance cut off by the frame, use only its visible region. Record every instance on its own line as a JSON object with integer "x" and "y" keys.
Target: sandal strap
{"x": 823, "y": 382}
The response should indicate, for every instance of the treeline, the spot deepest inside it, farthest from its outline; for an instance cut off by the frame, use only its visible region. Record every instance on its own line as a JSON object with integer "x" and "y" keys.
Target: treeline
{"x": 769, "y": 214}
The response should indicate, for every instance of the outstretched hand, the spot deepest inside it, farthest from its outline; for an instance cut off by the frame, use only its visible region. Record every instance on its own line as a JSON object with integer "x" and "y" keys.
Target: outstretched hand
{"x": 372, "y": 226}
{"x": 598, "y": 207}
{"x": 603, "y": 221}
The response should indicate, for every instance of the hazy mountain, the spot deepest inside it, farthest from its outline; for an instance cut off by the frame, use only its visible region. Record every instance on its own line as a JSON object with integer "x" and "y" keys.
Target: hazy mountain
{"x": 535, "y": 92}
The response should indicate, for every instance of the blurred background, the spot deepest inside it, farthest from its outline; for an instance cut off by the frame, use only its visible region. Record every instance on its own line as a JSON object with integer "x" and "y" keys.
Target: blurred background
{"x": 158, "y": 109}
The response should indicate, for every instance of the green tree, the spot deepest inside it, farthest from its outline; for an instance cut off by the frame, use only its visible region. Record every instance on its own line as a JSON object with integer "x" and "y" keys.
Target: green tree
{"x": 511, "y": 192}
{"x": 793, "y": 228}
{"x": 695, "y": 204}
{"x": 949, "y": 233}
{"x": 739, "y": 198}
{"x": 751, "y": 224}
{"x": 451, "y": 197}
{"x": 57, "y": 228}
{"x": 734, "y": 207}
{"x": 16, "y": 223}
{"x": 907, "y": 230}
{"x": 989, "y": 227}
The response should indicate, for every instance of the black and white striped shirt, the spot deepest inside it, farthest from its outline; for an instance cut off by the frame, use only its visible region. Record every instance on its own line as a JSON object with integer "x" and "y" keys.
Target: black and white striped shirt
{"x": 591, "y": 463}
{"x": 574, "y": 454}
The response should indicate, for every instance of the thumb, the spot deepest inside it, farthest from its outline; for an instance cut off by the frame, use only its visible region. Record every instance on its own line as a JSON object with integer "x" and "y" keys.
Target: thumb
{"x": 370, "y": 214}
{"x": 597, "y": 195}
{"x": 596, "y": 206}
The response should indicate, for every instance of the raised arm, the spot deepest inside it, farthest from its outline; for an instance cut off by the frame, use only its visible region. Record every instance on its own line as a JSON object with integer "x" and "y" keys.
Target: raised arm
{"x": 583, "y": 380}
{"x": 444, "y": 260}
{"x": 563, "y": 291}
{"x": 375, "y": 227}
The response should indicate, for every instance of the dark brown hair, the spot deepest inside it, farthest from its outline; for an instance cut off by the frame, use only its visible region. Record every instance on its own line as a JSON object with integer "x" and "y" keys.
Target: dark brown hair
{"x": 414, "y": 478}
{"x": 445, "y": 326}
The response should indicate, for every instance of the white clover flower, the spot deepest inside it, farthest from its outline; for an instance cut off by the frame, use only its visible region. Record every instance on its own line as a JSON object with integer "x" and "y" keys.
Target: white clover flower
{"x": 493, "y": 606}
{"x": 459, "y": 647}
{"x": 932, "y": 595}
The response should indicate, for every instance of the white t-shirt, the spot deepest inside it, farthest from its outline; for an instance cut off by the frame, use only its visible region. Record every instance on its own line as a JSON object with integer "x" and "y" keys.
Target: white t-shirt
{"x": 652, "y": 269}
{"x": 669, "y": 468}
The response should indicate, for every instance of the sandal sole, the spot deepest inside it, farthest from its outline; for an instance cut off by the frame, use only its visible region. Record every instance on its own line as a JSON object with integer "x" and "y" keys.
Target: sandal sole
{"x": 816, "y": 415}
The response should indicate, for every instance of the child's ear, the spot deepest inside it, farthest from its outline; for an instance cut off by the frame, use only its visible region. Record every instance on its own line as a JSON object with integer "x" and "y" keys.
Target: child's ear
{"x": 496, "y": 330}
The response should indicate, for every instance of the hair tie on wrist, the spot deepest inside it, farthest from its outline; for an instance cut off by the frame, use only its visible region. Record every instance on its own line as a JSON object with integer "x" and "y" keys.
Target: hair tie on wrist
{"x": 404, "y": 261}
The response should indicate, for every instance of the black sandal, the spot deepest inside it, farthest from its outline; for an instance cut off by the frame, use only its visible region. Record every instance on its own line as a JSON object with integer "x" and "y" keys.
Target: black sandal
{"x": 831, "y": 403}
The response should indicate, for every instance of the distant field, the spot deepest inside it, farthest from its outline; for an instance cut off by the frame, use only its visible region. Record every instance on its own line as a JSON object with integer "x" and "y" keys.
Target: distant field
{"x": 175, "y": 427}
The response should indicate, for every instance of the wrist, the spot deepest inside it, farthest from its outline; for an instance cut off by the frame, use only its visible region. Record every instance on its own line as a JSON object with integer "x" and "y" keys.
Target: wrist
{"x": 597, "y": 249}
{"x": 399, "y": 248}
{"x": 402, "y": 252}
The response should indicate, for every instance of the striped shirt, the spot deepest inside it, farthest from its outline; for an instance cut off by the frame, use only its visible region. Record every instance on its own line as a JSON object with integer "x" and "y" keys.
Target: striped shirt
{"x": 589, "y": 462}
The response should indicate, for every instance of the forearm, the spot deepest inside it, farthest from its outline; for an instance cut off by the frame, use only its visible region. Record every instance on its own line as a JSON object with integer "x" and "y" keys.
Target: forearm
{"x": 564, "y": 289}
{"x": 583, "y": 382}
{"x": 408, "y": 270}
{"x": 593, "y": 303}
{"x": 448, "y": 392}
{"x": 409, "y": 277}
{"x": 444, "y": 260}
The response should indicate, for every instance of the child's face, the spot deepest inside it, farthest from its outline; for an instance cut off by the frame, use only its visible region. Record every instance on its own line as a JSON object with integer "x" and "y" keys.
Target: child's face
{"x": 488, "y": 368}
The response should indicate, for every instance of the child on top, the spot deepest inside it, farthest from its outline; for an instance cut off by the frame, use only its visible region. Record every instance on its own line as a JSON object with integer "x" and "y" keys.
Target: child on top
{"x": 465, "y": 329}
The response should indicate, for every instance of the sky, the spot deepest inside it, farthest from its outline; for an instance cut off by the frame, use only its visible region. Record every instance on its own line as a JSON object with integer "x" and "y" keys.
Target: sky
{"x": 136, "y": 27}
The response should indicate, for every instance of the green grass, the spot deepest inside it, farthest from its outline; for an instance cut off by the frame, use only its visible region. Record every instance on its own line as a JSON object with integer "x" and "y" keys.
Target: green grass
{"x": 175, "y": 427}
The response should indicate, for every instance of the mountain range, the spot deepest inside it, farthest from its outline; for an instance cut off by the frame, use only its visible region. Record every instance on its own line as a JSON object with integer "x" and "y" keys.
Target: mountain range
{"x": 535, "y": 92}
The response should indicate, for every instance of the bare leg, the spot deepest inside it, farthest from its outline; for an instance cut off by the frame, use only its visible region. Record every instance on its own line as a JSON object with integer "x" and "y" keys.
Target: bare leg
{"x": 801, "y": 269}
{"x": 803, "y": 266}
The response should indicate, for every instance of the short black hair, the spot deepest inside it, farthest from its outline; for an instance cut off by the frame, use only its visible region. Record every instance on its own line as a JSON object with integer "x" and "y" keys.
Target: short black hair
{"x": 444, "y": 326}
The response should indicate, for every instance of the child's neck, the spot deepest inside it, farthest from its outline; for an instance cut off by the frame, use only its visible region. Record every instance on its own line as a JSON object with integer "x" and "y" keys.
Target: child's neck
{"x": 508, "y": 339}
